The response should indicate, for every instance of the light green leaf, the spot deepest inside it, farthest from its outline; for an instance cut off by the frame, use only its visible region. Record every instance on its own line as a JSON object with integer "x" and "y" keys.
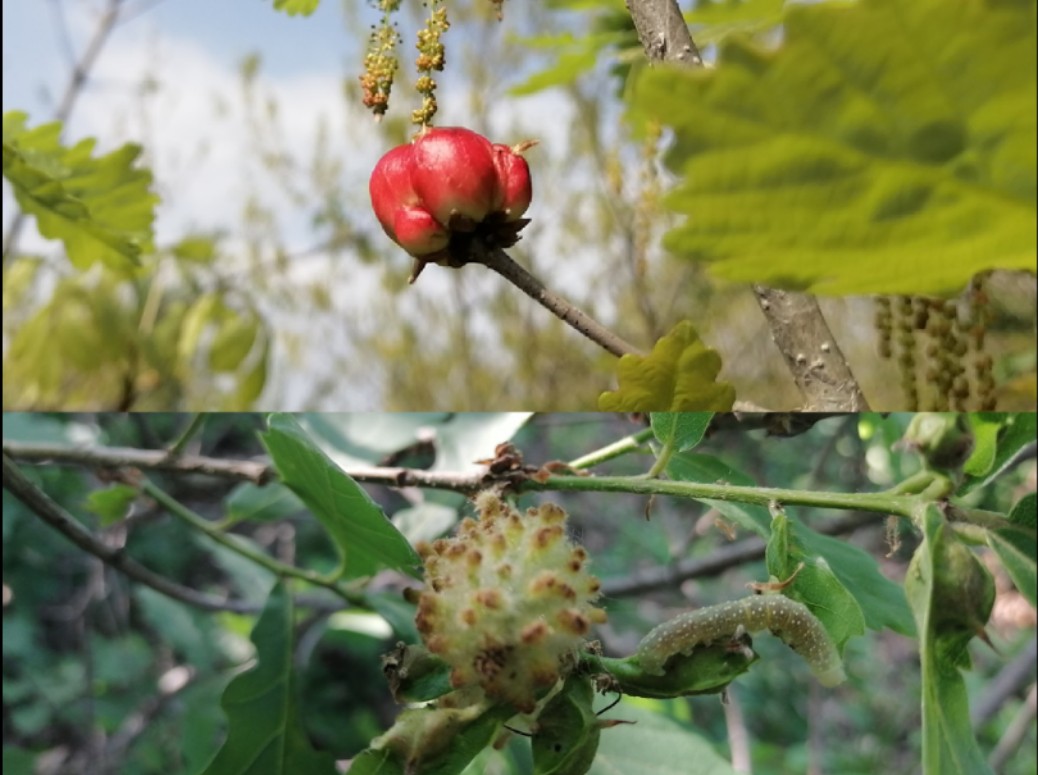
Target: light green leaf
{"x": 293, "y": 7}
{"x": 815, "y": 585}
{"x": 111, "y": 504}
{"x": 101, "y": 208}
{"x": 689, "y": 467}
{"x": 195, "y": 248}
{"x": 654, "y": 744}
{"x": 1017, "y": 431}
{"x": 679, "y": 375}
{"x": 683, "y": 430}
{"x": 949, "y": 747}
{"x": 985, "y": 427}
{"x": 714, "y": 20}
{"x": 265, "y": 736}
{"x": 873, "y": 152}
{"x": 365, "y": 538}
{"x": 882, "y": 601}
{"x": 233, "y": 341}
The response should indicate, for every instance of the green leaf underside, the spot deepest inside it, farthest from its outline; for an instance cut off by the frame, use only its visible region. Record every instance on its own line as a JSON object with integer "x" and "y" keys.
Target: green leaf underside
{"x": 265, "y": 736}
{"x": 683, "y": 429}
{"x": 948, "y": 742}
{"x": 366, "y": 540}
{"x": 654, "y": 744}
{"x": 679, "y": 375}
{"x": 815, "y": 584}
{"x": 873, "y": 152}
{"x": 100, "y": 207}
{"x": 1017, "y": 431}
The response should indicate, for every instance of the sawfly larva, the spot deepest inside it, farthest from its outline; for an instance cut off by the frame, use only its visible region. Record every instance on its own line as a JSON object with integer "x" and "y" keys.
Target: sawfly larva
{"x": 787, "y": 619}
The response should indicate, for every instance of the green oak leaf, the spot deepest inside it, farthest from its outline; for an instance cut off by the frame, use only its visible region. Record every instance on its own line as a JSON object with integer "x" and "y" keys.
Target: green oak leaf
{"x": 293, "y": 7}
{"x": 366, "y": 540}
{"x": 265, "y": 734}
{"x": 874, "y": 151}
{"x": 100, "y": 207}
{"x": 950, "y": 594}
{"x": 679, "y": 375}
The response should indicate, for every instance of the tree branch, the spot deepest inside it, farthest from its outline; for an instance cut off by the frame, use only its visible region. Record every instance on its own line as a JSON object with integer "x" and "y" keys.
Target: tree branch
{"x": 54, "y": 515}
{"x": 797, "y": 325}
{"x": 719, "y": 560}
{"x": 501, "y": 263}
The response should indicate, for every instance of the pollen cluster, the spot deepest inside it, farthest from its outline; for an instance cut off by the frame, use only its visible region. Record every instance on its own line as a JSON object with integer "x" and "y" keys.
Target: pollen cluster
{"x": 508, "y": 601}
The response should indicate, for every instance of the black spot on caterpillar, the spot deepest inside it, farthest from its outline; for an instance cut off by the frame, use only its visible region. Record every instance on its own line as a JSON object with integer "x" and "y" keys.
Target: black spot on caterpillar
{"x": 787, "y": 619}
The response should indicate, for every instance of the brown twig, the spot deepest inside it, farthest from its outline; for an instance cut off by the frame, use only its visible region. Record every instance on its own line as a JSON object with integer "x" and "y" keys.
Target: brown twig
{"x": 253, "y": 471}
{"x": 501, "y": 263}
{"x": 54, "y": 515}
{"x": 797, "y": 325}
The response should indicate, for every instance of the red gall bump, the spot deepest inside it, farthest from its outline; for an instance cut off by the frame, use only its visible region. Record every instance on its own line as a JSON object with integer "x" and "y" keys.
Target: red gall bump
{"x": 513, "y": 173}
{"x": 453, "y": 173}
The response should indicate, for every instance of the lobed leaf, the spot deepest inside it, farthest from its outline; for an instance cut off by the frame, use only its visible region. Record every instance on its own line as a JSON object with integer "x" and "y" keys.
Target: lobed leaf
{"x": 264, "y": 731}
{"x": 680, "y": 374}
{"x": 101, "y": 208}
{"x": 873, "y": 152}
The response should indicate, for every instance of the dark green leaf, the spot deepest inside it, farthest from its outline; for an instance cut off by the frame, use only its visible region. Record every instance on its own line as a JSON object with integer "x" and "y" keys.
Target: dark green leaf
{"x": 1017, "y": 548}
{"x": 262, "y": 504}
{"x": 949, "y": 747}
{"x": 265, "y": 736}
{"x": 365, "y": 538}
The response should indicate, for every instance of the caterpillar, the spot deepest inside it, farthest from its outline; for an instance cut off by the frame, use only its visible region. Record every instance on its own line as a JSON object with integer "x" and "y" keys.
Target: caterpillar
{"x": 787, "y": 619}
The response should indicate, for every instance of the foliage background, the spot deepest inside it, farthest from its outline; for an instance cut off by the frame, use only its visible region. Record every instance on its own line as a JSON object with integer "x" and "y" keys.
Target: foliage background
{"x": 103, "y": 675}
{"x": 271, "y": 286}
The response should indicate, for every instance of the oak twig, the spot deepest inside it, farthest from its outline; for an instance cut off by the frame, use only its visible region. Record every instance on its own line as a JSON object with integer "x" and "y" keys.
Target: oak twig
{"x": 54, "y": 515}
{"x": 499, "y": 261}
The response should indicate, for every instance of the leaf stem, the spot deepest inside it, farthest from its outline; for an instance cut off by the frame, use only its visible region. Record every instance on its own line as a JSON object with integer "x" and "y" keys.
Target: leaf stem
{"x": 179, "y": 510}
{"x": 612, "y": 450}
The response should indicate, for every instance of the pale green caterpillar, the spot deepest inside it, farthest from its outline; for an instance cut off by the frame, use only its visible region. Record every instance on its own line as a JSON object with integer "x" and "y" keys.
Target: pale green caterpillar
{"x": 787, "y": 619}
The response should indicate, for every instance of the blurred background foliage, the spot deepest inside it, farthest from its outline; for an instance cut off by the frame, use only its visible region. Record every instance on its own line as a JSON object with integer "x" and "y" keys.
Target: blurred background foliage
{"x": 102, "y": 675}
{"x": 249, "y": 316}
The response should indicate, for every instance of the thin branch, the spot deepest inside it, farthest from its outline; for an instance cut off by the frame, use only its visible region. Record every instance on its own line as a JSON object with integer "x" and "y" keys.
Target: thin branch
{"x": 259, "y": 473}
{"x": 501, "y": 263}
{"x": 127, "y": 457}
{"x": 276, "y": 567}
{"x": 1016, "y": 733}
{"x": 889, "y": 502}
{"x": 54, "y": 515}
{"x": 797, "y": 325}
{"x": 719, "y": 560}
